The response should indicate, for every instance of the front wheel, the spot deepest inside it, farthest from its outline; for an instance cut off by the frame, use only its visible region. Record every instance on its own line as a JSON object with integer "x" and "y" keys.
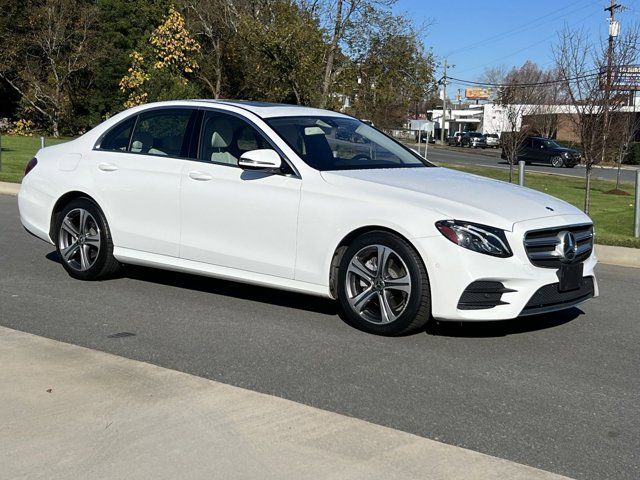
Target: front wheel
{"x": 383, "y": 286}
{"x": 84, "y": 241}
{"x": 557, "y": 161}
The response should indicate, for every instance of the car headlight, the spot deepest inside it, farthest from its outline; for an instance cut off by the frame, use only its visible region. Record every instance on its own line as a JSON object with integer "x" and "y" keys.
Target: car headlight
{"x": 479, "y": 238}
{"x": 566, "y": 154}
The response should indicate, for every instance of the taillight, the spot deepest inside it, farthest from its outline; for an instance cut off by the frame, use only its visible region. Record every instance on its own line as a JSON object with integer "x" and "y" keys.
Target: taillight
{"x": 32, "y": 163}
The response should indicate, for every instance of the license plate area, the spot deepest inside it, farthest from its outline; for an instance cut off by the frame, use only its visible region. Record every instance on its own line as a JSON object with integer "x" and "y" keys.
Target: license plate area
{"x": 570, "y": 277}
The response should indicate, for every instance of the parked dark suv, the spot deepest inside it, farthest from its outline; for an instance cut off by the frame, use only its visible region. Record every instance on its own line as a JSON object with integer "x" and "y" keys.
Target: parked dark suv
{"x": 546, "y": 150}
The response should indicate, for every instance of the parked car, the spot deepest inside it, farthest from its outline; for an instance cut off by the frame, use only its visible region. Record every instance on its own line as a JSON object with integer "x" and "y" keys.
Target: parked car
{"x": 306, "y": 200}
{"x": 473, "y": 139}
{"x": 547, "y": 151}
{"x": 492, "y": 140}
{"x": 454, "y": 140}
{"x": 425, "y": 137}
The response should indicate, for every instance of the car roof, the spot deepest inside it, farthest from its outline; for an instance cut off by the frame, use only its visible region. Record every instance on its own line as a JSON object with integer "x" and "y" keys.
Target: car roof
{"x": 270, "y": 110}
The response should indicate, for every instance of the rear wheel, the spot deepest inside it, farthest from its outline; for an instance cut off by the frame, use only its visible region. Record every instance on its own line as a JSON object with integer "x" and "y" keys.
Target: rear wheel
{"x": 84, "y": 241}
{"x": 557, "y": 161}
{"x": 383, "y": 286}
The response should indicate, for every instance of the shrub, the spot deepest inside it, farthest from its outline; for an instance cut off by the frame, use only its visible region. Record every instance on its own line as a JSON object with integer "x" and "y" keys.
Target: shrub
{"x": 632, "y": 155}
{"x": 21, "y": 128}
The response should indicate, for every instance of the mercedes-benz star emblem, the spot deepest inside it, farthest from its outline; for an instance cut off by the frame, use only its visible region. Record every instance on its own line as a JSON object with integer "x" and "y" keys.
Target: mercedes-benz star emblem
{"x": 568, "y": 246}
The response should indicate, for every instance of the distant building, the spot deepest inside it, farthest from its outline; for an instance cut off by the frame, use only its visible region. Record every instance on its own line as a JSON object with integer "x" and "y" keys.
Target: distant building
{"x": 554, "y": 120}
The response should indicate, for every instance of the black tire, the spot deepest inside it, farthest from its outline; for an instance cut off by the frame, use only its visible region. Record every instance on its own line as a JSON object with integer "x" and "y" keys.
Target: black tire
{"x": 417, "y": 309}
{"x": 104, "y": 263}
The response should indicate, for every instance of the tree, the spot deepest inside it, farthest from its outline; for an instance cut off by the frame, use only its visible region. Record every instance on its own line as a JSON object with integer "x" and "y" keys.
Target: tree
{"x": 46, "y": 56}
{"x": 122, "y": 27}
{"x": 392, "y": 70}
{"x": 580, "y": 63}
{"x": 170, "y": 59}
{"x": 525, "y": 92}
{"x": 213, "y": 22}
{"x": 339, "y": 17}
{"x": 277, "y": 54}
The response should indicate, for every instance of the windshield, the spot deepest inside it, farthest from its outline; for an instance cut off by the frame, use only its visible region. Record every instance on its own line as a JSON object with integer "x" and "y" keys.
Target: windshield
{"x": 334, "y": 143}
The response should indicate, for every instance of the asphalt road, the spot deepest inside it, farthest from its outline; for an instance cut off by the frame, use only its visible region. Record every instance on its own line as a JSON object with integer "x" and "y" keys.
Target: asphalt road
{"x": 558, "y": 392}
{"x": 491, "y": 158}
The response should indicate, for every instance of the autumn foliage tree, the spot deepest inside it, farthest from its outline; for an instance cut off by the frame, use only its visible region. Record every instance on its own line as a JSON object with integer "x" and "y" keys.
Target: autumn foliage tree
{"x": 162, "y": 72}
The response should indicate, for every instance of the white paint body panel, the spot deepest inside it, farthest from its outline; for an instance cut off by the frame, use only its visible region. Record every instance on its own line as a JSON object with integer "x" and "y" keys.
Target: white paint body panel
{"x": 282, "y": 231}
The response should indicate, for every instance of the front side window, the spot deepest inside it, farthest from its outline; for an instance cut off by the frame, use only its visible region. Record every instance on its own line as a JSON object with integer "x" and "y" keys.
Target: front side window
{"x": 161, "y": 132}
{"x": 224, "y": 138}
{"x": 334, "y": 143}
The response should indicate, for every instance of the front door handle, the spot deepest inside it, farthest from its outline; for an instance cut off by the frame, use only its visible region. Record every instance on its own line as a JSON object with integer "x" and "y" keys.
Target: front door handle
{"x": 200, "y": 176}
{"x": 107, "y": 167}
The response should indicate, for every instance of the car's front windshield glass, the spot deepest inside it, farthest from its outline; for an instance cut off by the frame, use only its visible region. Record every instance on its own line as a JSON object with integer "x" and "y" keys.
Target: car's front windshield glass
{"x": 337, "y": 143}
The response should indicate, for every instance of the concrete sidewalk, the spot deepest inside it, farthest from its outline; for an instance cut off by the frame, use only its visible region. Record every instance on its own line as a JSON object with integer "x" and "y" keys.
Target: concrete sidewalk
{"x": 70, "y": 412}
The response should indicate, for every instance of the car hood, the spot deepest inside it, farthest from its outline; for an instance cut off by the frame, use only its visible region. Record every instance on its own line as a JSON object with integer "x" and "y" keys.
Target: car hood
{"x": 453, "y": 194}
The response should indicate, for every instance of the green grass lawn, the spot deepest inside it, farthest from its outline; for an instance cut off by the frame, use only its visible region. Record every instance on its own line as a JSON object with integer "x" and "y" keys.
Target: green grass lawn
{"x": 16, "y": 152}
{"x": 611, "y": 214}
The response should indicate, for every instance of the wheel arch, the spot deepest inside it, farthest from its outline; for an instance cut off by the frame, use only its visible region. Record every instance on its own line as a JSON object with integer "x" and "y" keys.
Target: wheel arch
{"x": 61, "y": 202}
{"x": 342, "y": 246}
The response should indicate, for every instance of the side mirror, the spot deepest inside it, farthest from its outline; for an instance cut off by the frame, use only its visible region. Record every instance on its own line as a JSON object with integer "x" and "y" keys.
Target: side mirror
{"x": 262, "y": 159}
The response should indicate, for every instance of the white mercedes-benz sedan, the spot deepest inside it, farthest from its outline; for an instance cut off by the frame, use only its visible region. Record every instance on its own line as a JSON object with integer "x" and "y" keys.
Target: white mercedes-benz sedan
{"x": 306, "y": 200}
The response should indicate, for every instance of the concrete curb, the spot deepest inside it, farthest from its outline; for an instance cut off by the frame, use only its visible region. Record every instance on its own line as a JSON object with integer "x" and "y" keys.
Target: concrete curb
{"x": 621, "y": 256}
{"x": 72, "y": 412}
{"x": 7, "y": 188}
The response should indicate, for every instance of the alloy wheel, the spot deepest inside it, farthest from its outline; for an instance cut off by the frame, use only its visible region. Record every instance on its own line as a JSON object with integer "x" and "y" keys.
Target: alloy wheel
{"x": 79, "y": 239}
{"x": 378, "y": 284}
{"x": 557, "y": 161}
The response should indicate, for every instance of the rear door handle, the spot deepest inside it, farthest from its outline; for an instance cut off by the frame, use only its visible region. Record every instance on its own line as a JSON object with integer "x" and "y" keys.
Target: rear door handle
{"x": 107, "y": 167}
{"x": 200, "y": 176}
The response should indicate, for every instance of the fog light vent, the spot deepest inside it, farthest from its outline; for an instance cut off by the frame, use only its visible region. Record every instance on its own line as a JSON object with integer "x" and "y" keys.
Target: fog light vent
{"x": 483, "y": 294}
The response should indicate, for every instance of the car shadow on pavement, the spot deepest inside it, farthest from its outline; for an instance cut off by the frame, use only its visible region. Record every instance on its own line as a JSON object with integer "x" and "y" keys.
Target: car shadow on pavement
{"x": 225, "y": 287}
{"x": 503, "y": 328}
{"x": 233, "y": 289}
{"x": 326, "y": 306}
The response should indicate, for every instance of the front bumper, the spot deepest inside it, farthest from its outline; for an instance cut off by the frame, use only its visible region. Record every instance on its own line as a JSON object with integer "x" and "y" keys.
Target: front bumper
{"x": 452, "y": 269}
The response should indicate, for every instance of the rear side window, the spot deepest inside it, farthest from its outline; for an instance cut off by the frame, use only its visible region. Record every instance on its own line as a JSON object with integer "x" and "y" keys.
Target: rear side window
{"x": 118, "y": 137}
{"x": 162, "y": 132}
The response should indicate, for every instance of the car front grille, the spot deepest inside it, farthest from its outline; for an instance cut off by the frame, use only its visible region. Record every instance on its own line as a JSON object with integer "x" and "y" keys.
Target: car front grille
{"x": 541, "y": 245}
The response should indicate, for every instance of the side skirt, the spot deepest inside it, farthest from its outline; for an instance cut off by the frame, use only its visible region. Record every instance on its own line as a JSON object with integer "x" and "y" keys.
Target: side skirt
{"x": 146, "y": 259}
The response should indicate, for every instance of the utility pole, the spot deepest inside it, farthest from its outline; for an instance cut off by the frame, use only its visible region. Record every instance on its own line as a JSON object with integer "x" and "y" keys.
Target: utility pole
{"x": 614, "y": 30}
{"x": 444, "y": 101}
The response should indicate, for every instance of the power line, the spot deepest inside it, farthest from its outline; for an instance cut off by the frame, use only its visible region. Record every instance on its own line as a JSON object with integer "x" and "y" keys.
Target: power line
{"x": 538, "y": 42}
{"x": 516, "y": 30}
{"x": 529, "y": 84}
